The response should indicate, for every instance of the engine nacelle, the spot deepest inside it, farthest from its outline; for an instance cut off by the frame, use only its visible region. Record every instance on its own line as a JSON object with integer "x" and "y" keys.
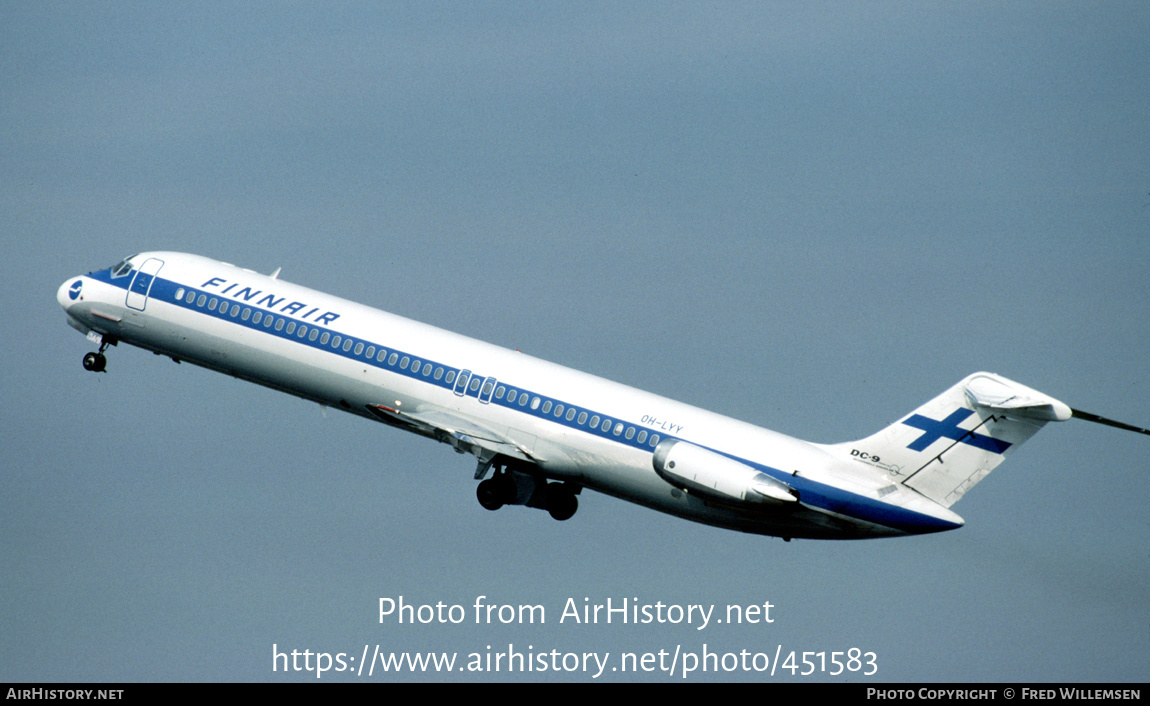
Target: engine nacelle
{"x": 698, "y": 470}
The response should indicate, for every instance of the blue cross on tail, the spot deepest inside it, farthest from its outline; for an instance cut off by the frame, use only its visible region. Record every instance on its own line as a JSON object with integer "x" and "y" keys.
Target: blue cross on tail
{"x": 933, "y": 430}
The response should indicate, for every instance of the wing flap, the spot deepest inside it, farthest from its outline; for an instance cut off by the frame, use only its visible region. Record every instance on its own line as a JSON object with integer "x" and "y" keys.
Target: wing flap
{"x": 461, "y": 432}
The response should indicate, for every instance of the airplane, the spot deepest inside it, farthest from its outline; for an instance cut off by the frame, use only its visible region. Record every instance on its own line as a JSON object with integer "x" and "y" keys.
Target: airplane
{"x": 544, "y": 432}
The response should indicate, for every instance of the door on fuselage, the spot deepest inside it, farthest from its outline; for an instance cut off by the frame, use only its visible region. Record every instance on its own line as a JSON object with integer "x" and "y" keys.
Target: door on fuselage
{"x": 461, "y": 382}
{"x": 487, "y": 389}
{"x": 141, "y": 283}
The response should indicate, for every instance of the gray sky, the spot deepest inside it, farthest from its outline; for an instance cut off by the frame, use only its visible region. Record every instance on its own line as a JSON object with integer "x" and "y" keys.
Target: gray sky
{"x": 813, "y": 217}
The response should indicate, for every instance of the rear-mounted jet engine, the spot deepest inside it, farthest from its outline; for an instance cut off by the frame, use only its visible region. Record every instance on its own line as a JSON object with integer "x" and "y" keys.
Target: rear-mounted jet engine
{"x": 707, "y": 473}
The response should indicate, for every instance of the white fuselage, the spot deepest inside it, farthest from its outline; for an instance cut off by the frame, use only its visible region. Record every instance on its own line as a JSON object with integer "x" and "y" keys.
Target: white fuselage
{"x": 554, "y": 422}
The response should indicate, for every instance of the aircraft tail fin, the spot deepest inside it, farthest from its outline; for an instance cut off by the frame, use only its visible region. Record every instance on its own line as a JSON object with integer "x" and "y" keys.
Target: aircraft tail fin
{"x": 945, "y": 447}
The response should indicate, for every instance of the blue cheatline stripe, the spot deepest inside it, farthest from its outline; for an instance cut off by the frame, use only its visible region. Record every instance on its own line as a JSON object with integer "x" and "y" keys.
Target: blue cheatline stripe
{"x": 525, "y": 401}
{"x": 395, "y": 361}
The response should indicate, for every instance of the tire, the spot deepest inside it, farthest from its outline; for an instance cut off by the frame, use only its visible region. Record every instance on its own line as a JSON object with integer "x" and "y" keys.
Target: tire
{"x": 95, "y": 362}
{"x": 490, "y": 495}
{"x": 561, "y": 502}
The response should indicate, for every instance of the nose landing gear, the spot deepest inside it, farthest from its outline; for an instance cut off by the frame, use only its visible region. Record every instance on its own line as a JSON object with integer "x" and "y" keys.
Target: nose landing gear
{"x": 96, "y": 362}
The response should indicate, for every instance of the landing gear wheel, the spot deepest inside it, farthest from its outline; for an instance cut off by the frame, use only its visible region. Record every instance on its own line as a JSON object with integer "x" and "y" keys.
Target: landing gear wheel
{"x": 95, "y": 362}
{"x": 497, "y": 491}
{"x": 561, "y": 502}
{"x": 489, "y": 494}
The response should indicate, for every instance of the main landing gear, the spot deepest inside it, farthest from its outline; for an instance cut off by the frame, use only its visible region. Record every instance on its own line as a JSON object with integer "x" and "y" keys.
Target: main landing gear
{"x": 514, "y": 488}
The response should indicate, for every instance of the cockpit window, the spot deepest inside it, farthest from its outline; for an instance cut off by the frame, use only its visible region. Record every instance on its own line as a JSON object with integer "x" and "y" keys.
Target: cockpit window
{"x": 123, "y": 268}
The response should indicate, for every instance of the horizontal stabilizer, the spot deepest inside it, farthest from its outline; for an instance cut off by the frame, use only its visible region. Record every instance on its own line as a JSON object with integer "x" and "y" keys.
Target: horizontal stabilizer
{"x": 1087, "y": 416}
{"x": 1015, "y": 400}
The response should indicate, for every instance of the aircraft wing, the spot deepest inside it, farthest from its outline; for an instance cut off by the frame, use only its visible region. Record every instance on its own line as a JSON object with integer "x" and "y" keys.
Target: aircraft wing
{"x": 465, "y": 434}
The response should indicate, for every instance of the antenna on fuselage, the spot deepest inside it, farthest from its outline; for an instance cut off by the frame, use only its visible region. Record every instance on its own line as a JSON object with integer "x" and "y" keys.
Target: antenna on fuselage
{"x": 276, "y": 273}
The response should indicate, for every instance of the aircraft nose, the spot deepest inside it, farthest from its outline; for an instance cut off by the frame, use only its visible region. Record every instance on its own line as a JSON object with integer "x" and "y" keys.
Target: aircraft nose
{"x": 69, "y": 292}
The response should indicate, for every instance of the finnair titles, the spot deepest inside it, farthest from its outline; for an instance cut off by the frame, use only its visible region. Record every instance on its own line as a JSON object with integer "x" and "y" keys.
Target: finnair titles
{"x": 270, "y": 301}
{"x": 540, "y": 432}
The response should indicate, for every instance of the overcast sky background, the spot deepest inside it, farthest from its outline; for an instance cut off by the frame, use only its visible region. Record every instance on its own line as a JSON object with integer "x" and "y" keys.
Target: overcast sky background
{"x": 813, "y": 217}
